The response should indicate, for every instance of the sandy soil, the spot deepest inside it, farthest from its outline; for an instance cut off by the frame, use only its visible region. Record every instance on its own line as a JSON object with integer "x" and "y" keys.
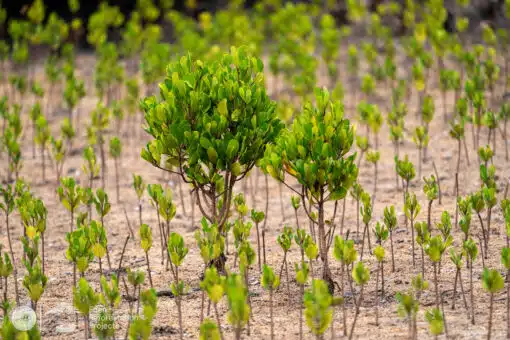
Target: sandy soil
{"x": 58, "y": 319}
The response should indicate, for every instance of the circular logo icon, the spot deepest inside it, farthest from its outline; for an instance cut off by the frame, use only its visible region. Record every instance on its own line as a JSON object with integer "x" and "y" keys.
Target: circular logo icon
{"x": 23, "y": 318}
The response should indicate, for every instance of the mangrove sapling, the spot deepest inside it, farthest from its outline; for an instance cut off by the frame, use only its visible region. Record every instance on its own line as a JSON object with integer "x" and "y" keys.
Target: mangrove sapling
{"x": 492, "y": 282}
{"x": 381, "y": 234}
{"x": 270, "y": 282}
{"x": 379, "y": 254}
{"x": 318, "y": 308}
{"x": 211, "y": 245}
{"x": 325, "y": 174}
{"x": 136, "y": 279}
{"x": 505, "y": 260}
{"x": 115, "y": 153}
{"x": 301, "y": 278}
{"x": 141, "y": 326}
{"x": 490, "y": 120}
{"x": 90, "y": 168}
{"x": 411, "y": 209}
{"x": 209, "y": 330}
{"x": 213, "y": 284}
{"x": 296, "y": 202}
{"x": 214, "y": 164}
{"x": 427, "y": 115}
{"x": 167, "y": 210}
{"x": 366, "y": 213}
{"x": 456, "y": 259}
{"x": 485, "y": 154}
{"x": 445, "y": 228}
{"x": 103, "y": 207}
{"x": 471, "y": 251}
{"x": 177, "y": 252}
{"x": 68, "y": 133}
{"x": 489, "y": 197}
{"x": 405, "y": 169}
{"x": 84, "y": 300}
{"x": 435, "y": 249}
{"x": 345, "y": 252}
{"x": 396, "y": 136}
{"x": 6, "y": 270}
{"x": 110, "y": 298}
{"x": 504, "y": 115}
{"x": 356, "y": 193}
{"x": 155, "y": 191}
{"x": 435, "y": 319}
{"x": 42, "y": 138}
{"x": 449, "y": 80}
{"x": 139, "y": 186}
{"x": 361, "y": 276}
{"x": 478, "y": 204}
{"x": 362, "y": 145}
{"x": 407, "y": 308}
{"x": 34, "y": 280}
{"x": 257, "y": 217}
{"x": 246, "y": 259}
{"x": 35, "y": 112}
{"x": 431, "y": 190}
{"x": 146, "y": 244}
{"x": 421, "y": 139}
{"x": 457, "y": 133}
{"x": 58, "y": 153}
{"x": 390, "y": 220}
{"x": 99, "y": 124}
{"x": 285, "y": 241}
{"x": 374, "y": 157}
{"x": 464, "y": 207}
{"x": 99, "y": 242}
{"x": 70, "y": 196}
{"x": 422, "y": 238}
{"x": 237, "y": 296}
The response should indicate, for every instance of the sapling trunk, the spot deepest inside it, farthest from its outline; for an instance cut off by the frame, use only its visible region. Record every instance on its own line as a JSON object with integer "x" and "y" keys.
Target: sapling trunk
{"x": 377, "y": 298}
{"x": 357, "y": 312}
{"x": 271, "y": 312}
{"x": 419, "y": 161}
{"x": 484, "y": 234}
{"x": 258, "y": 245}
{"x": 264, "y": 245}
{"x": 344, "y": 314}
{"x": 357, "y": 217}
{"x": 455, "y": 289}
{"x": 436, "y": 284}
{"x": 282, "y": 208}
{"x": 392, "y": 256}
{"x": 43, "y": 164}
{"x": 117, "y": 186}
{"x": 491, "y": 302}
{"x": 471, "y": 292}
{"x": 103, "y": 161}
{"x": 375, "y": 179}
{"x": 15, "y": 270}
{"x": 149, "y": 268}
{"x": 412, "y": 239}
{"x": 343, "y": 217}
{"x": 140, "y": 212}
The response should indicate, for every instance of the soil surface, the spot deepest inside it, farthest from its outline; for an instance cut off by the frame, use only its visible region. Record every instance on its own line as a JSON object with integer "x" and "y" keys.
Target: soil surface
{"x": 55, "y": 312}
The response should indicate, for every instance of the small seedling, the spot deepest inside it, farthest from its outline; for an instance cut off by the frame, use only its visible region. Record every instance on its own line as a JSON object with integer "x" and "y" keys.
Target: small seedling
{"x": 270, "y": 282}
{"x": 492, "y": 282}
